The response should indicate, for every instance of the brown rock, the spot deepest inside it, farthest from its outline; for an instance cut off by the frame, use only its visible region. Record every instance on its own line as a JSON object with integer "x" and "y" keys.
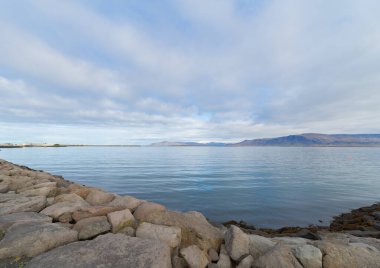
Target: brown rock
{"x": 98, "y": 197}
{"x": 93, "y": 212}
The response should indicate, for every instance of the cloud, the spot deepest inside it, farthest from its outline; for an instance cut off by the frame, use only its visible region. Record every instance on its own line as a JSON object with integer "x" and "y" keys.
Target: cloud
{"x": 191, "y": 70}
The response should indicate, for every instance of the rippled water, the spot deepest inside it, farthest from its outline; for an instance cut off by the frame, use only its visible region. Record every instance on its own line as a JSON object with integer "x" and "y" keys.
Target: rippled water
{"x": 264, "y": 186}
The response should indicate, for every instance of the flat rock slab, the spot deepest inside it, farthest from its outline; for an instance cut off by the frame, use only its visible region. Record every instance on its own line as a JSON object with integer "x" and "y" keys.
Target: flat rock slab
{"x": 57, "y": 209}
{"x": 93, "y": 212}
{"x": 110, "y": 250}
{"x": 8, "y": 220}
{"x": 12, "y": 203}
{"x": 31, "y": 239}
{"x": 170, "y": 235}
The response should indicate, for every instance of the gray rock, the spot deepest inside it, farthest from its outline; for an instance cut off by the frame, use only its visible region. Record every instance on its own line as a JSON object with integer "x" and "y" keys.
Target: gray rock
{"x": 127, "y": 201}
{"x": 98, "y": 197}
{"x": 355, "y": 255}
{"x": 224, "y": 261}
{"x": 129, "y": 231}
{"x": 194, "y": 257}
{"x": 237, "y": 243}
{"x": 195, "y": 228}
{"x": 109, "y": 250}
{"x": 4, "y": 188}
{"x": 170, "y": 235}
{"x": 178, "y": 262}
{"x": 91, "y": 227}
{"x": 12, "y": 203}
{"x": 309, "y": 256}
{"x": 120, "y": 219}
{"x": 57, "y": 209}
{"x": 246, "y": 262}
{"x": 93, "y": 211}
{"x": 292, "y": 242}
{"x": 72, "y": 198}
{"x": 259, "y": 245}
{"x": 279, "y": 256}
{"x": 8, "y": 220}
{"x": 31, "y": 239}
{"x": 376, "y": 215}
{"x": 213, "y": 254}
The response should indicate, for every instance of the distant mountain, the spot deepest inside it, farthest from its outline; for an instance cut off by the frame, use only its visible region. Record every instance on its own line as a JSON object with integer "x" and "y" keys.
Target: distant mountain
{"x": 307, "y": 139}
{"x": 315, "y": 139}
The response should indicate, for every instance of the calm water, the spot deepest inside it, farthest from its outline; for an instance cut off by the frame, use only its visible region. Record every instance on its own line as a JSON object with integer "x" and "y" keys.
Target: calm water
{"x": 265, "y": 186}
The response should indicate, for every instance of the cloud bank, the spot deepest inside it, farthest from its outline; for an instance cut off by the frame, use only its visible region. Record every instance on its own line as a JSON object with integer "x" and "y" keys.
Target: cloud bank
{"x": 137, "y": 72}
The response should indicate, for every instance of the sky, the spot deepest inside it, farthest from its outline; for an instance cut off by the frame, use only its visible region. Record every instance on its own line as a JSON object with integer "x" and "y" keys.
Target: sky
{"x": 139, "y": 71}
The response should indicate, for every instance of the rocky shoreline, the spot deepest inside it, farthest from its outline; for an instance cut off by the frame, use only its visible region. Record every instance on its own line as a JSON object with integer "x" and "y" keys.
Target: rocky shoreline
{"x": 47, "y": 221}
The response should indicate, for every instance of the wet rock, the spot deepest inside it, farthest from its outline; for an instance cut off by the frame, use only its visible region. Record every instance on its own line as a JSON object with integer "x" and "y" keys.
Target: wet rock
{"x": 120, "y": 219}
{"x": 8, "y": 220}
{"x": 145, "y": 209}
{"x": 170, "y": 235}
{"x": 32, "y": 238}
{"x": 246, "y": 262}
{"x": 213, "y": 254}
{"x": 93, "y": 211}
{"x": 127, "y": 201}
{"x": 91, "y": 227}
{"x": 195, "y": 228}
{"x": 194, "y": 257}
{"x": 309, "y": 256}
{"x": 259, "y": 245}
{"x": 109, "y": 250}
{"x": 12, "y": 203}
{"x": 237, "y": 243}
{"x": 98, "y": 197}
{"x": 279, "y": 256}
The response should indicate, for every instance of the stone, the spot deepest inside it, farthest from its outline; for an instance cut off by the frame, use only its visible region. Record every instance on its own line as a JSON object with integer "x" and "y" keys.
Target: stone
{"x": 144, "y": 210}
{"x": 178, "y": 262}
{"x": 279, "y": 256}
{"x": 72, "y": 198}
{"x": 109, "y": 250}
{"x": 33, "y": 238}
{"x": 259, "y": 245}
{"x": 93, "y": 211}
{"x": 195, "y": 228}
{"x": 37, "y": 186}
{"x": 194, "y": 257}
{"x": 91, "y": 227}
{"x": 292, "y": 242}
{"x": 170, "y": 235}
{"x": 376, "y": 215}
{"x": 98, "y": 197}
{"x": 17, "y": 182}
{"x": 65, "y": 218}
{"x": 43, "y": 191}
{"x": 79, "y": 190}
{"x": 309, "y": 256}
{"x": 127, "y": 201}
{"x": 224, "y": 261}
{"x": 246, "y": 262}
{"x": 4, "y": 188}
{"x": 237, "y": 243}
{"x": 348, "y": 255}
{"x": 366, "y": 240}
{"x": 120, "y": 219}
{"x": 49, "y": 201}
{"x": 12, "y": 203}
{"x": 57, "y": 209}
{"x": 8, "y": 220}
{"x": 213, "y": 254}
{"x": 129, "y": 231}
{"x": 376, "y": 225}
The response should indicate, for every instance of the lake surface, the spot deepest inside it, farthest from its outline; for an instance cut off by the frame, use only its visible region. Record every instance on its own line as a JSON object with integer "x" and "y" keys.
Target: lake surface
{"x": 264, "y": 186}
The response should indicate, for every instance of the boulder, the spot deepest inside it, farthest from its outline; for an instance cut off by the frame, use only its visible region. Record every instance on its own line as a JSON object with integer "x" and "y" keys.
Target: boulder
{"x": 129, "y": 231}
{"x": 72, "y": 198}
{"x": 12, "y": 203}
{"x": 195, "y": 228}
{"x": 17, "y": 182}
{"x": 224, "y": 259}
{"x": 145, "y": 209}
{"x": 109, "y": 250}
{"x": 127, "y": 201}
{"x": 353, "y": 255}
{"x": 120, "y": 219}
{"x": 57, "y": 209}
{"x": 48, "y": 191}
{"x": 246, "y": 262}
{"x": 309, "y": 256}
{"x": 194, "y": 257}
{"x": 33, "y": 238}
{"x": 65, "y": 218}
{"x": 91, "y": 227}
{"x": 237, "y": 243}
{"x": 170, "y": 235}
{"x": 36, "y": 186}
{"x": 178, "y": 262}
{"x": 80, "y": 190}
{"x": 4, "y": 188}
{"x": 213, "y": 254}
{"x": 259, "y": 245}
{"x": 8, "y": 220}
{"x": 291, "y": 242}
{"x": 93, "y": 211}
{"x": 280, "y": 256}
{"x": 98, "y": 197}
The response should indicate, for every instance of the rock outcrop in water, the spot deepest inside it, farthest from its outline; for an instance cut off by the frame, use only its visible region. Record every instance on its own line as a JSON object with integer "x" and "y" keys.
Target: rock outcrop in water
{"x": 46, "y": 221}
